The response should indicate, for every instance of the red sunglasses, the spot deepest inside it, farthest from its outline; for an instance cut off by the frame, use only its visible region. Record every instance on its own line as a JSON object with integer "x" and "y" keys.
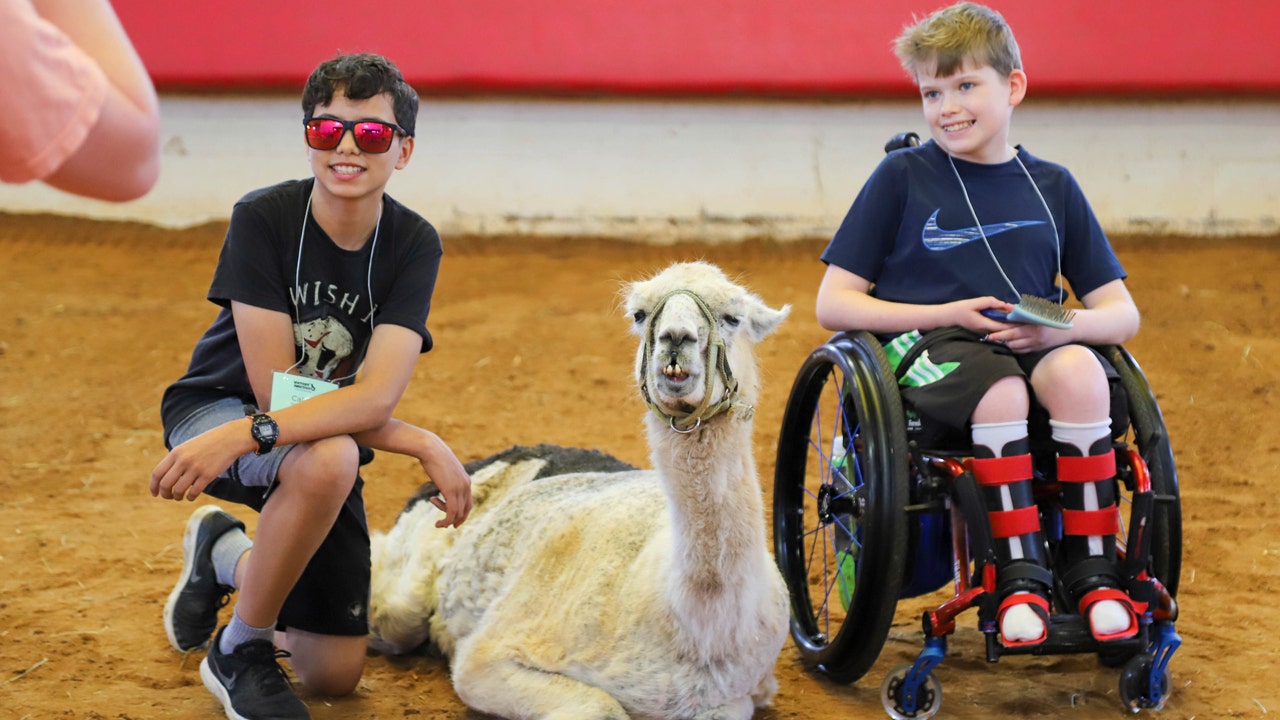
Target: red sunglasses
{"x": 371, "y": 136}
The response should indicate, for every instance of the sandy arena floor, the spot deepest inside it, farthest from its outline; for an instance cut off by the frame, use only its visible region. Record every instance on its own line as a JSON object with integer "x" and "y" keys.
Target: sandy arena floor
{"x": 97, "y": 318}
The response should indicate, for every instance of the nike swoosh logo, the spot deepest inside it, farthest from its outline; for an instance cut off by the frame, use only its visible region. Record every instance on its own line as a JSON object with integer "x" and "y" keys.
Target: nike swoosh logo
{"x": 937, "y": 239}
{"x": 230, "y": 681}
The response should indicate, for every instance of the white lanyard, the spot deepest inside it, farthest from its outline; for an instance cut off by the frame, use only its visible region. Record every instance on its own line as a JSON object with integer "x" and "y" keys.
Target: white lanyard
{"x": 1056, "y": 237}
{"x": 287, "y": 389}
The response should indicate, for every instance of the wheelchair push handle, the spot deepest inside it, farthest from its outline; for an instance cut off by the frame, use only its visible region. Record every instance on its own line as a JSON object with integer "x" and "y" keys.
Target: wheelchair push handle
{"x": 901, "y": 140}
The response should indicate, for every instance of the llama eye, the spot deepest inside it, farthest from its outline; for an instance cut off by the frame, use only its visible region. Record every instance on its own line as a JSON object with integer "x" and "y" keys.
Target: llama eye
{"x": 639, "y": 316}
{"x": 731, "y": 320}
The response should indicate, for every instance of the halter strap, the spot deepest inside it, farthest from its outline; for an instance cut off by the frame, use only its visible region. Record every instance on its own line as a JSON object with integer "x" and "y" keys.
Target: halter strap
{"x": 717, "y": 360}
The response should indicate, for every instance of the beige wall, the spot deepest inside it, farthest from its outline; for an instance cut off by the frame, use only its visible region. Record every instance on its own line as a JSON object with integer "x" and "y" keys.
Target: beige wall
{"x": 718, "y": 171}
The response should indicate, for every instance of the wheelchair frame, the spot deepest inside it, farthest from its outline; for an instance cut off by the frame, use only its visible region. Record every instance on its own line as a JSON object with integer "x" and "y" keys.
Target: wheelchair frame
{"x": 894, "y": 518}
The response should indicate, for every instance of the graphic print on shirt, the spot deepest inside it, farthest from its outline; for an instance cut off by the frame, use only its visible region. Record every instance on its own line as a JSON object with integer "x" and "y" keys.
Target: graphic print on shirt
{"x": 325, "y": 346}
{"x": 937, "y": 239}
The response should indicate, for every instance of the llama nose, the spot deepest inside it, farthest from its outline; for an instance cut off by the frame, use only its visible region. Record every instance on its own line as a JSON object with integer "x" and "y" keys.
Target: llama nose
{"x": 676, "y": 336}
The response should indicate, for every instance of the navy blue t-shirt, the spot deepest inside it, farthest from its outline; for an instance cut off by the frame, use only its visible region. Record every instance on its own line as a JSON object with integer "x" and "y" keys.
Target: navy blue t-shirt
{"x": 911, "y": 234}
{"x": 327, "y": 294}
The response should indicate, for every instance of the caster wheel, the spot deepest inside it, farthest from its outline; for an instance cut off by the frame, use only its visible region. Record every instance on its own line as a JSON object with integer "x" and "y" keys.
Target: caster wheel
{"x": 1136, "y": 692}
{"x": 928, "y": 699}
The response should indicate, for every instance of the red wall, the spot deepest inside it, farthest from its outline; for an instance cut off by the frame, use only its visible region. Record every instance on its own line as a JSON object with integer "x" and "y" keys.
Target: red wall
{"x": 697, "y": 47}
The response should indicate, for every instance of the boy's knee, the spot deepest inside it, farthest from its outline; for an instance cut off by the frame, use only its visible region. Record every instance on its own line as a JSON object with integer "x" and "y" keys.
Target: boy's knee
{"x": 1072, "y": 361}
{"x": 1070, "y": 366}
{"x": 1006, "y": 399}
{"x": 327, "y": 665}
{"x": 328, "y": 465}
{"x": 334, "y": 678}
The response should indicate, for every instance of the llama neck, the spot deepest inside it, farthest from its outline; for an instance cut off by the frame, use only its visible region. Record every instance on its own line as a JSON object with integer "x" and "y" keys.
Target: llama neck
{"x": 718, "y": 549}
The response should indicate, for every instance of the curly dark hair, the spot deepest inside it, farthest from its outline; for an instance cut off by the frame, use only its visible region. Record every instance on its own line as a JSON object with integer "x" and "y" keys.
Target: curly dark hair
{"x": 361, "y": 76}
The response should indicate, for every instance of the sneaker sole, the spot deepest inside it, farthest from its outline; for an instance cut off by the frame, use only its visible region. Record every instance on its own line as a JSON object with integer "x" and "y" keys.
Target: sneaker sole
{"x": 219, "y": 692}
{"x": 188, "y": 549}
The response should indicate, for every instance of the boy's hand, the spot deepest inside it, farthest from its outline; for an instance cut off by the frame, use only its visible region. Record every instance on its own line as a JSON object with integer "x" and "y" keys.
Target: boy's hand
{"x": 1030, "y": 337}
{"x": 976, "y": 314}
{"x": 455, "y": 489}
{"x": 185, "y": 472}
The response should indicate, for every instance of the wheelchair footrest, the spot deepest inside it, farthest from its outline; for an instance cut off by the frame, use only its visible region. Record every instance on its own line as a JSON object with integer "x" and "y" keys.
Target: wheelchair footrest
{"x": 1067, "y": 634}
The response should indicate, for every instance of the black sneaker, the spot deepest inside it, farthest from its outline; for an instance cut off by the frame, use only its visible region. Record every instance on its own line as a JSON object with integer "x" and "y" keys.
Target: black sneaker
{"x": 191, "y": 613}
{"x": 250, "y": 683}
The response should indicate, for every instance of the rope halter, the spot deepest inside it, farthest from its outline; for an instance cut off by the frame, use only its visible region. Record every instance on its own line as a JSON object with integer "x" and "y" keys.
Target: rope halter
{"x": 716, "y": 361}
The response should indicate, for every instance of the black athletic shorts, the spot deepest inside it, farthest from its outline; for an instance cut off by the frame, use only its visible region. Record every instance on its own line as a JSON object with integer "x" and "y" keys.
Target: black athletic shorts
{"x": 332, "y": 596}
{"x": 945, "y": 373}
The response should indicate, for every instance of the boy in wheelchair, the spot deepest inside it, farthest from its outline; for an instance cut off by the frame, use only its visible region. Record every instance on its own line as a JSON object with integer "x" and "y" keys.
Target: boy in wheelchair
{"x": 952, "y": 253}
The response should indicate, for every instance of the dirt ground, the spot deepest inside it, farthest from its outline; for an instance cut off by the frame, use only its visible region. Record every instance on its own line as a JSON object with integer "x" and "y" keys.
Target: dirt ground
{"x": 97, "y": 318}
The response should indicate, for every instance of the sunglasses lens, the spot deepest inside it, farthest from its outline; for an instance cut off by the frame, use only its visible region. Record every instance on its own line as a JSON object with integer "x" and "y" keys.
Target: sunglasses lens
{"x": 324, "y": 134}
{"x": 373, "y": 137}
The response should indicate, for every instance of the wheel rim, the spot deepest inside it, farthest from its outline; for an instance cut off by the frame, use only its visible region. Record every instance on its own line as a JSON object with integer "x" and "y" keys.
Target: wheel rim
{"x": 832, "y": 544}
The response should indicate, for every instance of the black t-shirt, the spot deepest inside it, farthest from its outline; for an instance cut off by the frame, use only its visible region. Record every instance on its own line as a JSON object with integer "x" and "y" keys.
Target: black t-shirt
{"x": 327, "y": 293}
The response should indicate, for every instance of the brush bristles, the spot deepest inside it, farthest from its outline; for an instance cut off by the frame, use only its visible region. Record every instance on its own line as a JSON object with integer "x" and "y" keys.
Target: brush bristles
{"x": 1050, "y": 312}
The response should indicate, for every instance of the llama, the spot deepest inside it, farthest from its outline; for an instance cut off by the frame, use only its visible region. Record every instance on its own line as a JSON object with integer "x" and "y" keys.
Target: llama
{"x": 647, "y": 593}
{"x": 406, "y": 561}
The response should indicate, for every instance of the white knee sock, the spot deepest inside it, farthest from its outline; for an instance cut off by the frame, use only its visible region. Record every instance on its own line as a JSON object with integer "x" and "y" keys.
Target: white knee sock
{"x": 1019, "y": 623}
{"x": 1106, "y": 617}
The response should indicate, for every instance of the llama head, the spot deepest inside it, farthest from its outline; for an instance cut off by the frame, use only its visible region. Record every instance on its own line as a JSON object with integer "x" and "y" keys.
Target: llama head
{"x": 697, "y": 331}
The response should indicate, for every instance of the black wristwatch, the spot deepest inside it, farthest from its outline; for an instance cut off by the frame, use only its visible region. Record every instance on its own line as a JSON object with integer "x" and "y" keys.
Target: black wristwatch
{"x": 265, "y": 432}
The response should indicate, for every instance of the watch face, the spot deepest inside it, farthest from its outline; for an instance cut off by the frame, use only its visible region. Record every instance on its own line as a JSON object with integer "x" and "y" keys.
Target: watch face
{"x": 265, "y": 429}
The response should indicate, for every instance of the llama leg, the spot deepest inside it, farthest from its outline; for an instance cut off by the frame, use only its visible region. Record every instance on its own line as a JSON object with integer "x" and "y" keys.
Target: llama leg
{"x": 1002, "y": 468}
{"x": 764, "y": 692}
{"x": 1090, "y": 520}
{"x": 488, "y": 678}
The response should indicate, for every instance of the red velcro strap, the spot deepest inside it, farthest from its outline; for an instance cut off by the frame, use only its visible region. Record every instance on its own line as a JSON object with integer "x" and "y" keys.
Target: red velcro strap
{"x": 1025, "y": 598}
{"x": 1003, "y": 470}
{"x": 1012, "y": 523}
{"x": 1094, "y": 596}
{"x": 1092, "y": 468}
{"x": 1091, "y": 522}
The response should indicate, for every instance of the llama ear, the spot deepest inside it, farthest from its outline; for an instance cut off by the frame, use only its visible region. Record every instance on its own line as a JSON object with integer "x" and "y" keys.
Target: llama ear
{"x": 762, "y": 319}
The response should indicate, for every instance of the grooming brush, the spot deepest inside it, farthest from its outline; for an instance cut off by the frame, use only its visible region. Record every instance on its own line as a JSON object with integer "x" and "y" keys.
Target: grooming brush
{"x": 1032, "y": 309}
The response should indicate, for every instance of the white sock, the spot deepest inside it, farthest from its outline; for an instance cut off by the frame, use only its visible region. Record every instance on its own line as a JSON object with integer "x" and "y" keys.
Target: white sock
{"x": 1020, "y": 623}
{"x": 1081, "y": 435}
{"x": 1107, "y": 617}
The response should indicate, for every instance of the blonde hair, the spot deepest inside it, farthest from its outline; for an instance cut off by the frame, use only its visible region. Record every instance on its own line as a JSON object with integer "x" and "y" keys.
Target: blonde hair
{"x": 965, "y": 31}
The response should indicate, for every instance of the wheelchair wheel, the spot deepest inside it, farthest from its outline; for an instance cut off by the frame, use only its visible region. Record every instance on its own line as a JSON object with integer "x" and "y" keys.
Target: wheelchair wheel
{"x": 1148, "y": 434}
{"x": 839, "y": 498}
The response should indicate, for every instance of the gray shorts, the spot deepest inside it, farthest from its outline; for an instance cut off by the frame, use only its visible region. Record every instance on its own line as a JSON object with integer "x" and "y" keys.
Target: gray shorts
{"x": 332, "y": 596}
{"x": 248, "y": 471}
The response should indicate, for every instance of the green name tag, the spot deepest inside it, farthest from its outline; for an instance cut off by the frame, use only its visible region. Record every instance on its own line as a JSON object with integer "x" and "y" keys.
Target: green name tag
{"x": 289, "y": 389}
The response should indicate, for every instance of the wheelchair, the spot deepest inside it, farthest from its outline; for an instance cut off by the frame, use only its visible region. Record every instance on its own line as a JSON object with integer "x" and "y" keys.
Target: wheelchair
{"x": 872, "y": 503}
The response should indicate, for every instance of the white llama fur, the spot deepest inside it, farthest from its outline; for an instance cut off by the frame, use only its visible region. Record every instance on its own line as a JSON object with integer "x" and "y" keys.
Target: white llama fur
{"x": 648, "y": 593}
